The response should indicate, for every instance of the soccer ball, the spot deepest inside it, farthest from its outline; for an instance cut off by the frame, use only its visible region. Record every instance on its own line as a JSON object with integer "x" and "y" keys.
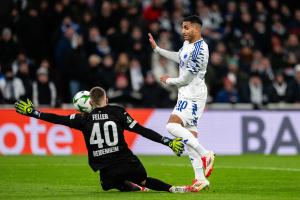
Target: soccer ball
{"x": 81, "y": 101}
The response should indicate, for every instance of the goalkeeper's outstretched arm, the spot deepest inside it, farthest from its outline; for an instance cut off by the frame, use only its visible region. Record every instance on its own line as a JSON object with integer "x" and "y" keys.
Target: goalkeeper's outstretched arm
{"x": 130, "y": 124}
{"x": 175, "y": 144}
{"x": 149, "y": 134}
{"x": 72, "y": 121}
{"x": 27, "y": 108}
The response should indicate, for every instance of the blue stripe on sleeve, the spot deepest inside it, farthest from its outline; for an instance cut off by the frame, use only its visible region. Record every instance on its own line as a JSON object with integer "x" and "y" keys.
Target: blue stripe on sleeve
{"x": 198, "y": 48}
{"x": 194, "y": 65}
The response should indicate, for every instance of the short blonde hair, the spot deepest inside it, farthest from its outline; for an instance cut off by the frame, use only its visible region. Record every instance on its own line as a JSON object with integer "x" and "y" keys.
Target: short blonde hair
{"x": 97, "y": 94}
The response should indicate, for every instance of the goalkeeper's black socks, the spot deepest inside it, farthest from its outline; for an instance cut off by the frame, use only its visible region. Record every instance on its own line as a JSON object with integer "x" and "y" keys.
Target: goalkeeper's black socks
{"x": 158, "y": 185}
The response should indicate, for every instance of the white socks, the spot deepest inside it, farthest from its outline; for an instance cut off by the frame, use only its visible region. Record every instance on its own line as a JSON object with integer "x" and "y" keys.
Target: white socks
{"x": 178, "y": 131}
{"x": 194, "y": 149}
{"x": 196, "y": 163}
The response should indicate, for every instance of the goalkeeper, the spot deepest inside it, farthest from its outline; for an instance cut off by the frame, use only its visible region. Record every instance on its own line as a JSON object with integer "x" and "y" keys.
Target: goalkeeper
{"x": 103, "y": 131}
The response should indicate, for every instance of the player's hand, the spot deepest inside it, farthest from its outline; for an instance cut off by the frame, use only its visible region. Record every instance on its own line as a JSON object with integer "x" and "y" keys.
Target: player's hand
{"x": 164, "y": 78}
{"x": 152, "y": 41}
{"x": 177, "y": 146}
{"x": 25, "y": 108}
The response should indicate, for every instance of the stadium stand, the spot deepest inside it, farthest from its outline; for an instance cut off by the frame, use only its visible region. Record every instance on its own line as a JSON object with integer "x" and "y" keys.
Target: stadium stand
{"x": 77, "y": 44}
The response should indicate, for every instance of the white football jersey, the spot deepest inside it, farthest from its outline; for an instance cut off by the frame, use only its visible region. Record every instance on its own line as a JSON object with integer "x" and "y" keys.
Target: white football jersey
{"x": 193, "y": 58}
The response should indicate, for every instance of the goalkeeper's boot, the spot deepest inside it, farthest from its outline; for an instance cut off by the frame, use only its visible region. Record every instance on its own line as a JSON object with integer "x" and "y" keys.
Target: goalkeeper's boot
{"x": 208, "y": 161}
{"x": 181, "y": 189}
{"x": 199, "y": 185}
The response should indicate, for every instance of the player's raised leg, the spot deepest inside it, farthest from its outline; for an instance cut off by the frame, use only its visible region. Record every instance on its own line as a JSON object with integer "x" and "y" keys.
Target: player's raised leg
{"x": 194, "y": 149}
{"x": 175, "y": 127}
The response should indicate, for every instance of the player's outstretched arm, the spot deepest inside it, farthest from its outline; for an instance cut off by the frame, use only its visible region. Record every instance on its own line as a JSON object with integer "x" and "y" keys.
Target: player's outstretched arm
{"x": 27, "y": 108}
{"x": 172, "y": 55}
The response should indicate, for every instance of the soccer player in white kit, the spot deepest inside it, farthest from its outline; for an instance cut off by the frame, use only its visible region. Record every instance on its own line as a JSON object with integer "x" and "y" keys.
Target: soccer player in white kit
{"x": 192, "y": 93}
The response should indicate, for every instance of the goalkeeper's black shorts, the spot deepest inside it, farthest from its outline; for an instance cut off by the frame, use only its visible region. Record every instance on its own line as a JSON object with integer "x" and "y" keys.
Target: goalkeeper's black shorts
{"x": 113, "y": 177}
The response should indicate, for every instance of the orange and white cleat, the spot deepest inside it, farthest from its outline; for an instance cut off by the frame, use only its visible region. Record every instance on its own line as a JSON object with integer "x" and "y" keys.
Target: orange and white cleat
{"x": 208, "y": 163}
{"x": 199, "y": 185}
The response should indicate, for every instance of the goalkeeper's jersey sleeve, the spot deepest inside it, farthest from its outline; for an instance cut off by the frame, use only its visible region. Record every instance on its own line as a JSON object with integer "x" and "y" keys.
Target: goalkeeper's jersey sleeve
{"x": 75, "y": 120}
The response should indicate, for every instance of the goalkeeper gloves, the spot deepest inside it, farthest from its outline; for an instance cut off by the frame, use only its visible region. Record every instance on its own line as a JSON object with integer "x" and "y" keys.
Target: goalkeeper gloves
{"x": 26, "y": 108}
{"x": 175, "y": 144}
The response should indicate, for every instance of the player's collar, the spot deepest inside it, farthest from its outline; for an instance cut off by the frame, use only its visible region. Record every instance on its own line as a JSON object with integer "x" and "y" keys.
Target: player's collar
{"x": 100, "y": 108}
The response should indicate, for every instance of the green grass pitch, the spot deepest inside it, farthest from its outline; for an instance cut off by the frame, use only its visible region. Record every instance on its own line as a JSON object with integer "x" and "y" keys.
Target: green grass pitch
{"x": 247, "y": 177}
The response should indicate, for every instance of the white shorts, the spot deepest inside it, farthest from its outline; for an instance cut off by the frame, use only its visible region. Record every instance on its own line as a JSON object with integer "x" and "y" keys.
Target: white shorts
{"x": 189, "y": 111}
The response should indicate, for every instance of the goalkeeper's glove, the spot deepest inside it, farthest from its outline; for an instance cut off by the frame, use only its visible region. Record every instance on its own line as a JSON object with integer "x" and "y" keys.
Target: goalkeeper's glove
{"x": 175, "y": 144}
{"x": 26, "y": 108}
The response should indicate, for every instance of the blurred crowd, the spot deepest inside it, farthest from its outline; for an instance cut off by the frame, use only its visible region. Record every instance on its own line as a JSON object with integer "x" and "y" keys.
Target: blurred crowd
{"x": 50, "y": 49}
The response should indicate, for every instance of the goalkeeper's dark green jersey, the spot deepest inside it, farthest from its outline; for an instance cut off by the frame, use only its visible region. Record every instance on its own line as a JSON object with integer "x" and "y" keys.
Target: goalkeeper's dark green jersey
{"x": 103, "y": 131}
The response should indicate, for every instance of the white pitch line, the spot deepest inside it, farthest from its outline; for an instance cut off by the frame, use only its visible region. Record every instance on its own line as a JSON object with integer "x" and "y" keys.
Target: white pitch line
{"x": 261, "y": 168}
